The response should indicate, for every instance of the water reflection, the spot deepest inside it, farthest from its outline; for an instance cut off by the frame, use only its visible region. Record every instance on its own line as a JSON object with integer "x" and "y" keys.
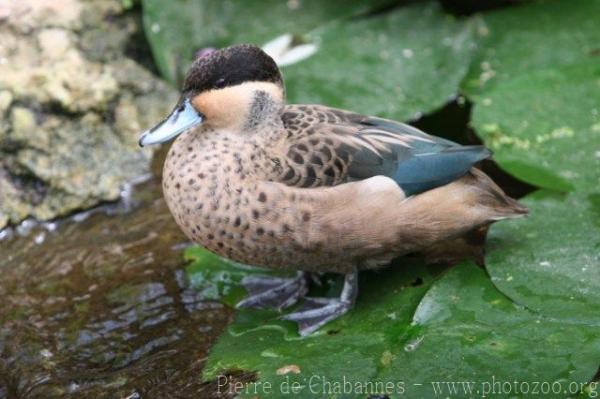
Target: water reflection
{"x": 100, "y": 308}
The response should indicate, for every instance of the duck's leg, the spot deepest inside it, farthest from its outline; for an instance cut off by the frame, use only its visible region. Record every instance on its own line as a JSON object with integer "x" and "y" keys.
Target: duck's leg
{"x": 315, "y": 312}
{"x": 274, "y": 292}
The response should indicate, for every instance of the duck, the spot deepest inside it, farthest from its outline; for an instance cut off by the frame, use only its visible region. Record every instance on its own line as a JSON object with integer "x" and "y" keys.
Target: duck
{"x": 310, "y": 189}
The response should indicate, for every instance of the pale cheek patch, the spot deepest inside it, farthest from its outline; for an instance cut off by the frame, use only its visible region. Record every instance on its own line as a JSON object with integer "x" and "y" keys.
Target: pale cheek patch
{"x": 221, "y": 108}
{"x": 229, "y": 107}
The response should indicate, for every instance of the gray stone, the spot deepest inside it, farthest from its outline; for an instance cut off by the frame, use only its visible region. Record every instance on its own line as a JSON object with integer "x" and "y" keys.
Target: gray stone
{"x": 71, "y": 142}
{"x": 6, "y": 99}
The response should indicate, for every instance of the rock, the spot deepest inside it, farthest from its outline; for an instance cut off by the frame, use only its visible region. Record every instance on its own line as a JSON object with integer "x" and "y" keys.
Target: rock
{"x": 72, "y": 103}
{"x": 127, "y": 119}
{"x": 6, "y": 99}
{"x": 27, "y": 15}
{"x": 23, "y": 123}
{"x": 54, "y": 43}
{"x": 14, "y": 207}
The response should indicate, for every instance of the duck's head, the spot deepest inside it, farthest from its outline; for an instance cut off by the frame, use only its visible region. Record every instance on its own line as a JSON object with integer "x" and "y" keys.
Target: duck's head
{"x": 221, "y": 89}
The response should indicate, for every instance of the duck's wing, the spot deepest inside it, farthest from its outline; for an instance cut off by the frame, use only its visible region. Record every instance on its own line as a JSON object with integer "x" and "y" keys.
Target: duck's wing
{"x": 328, "y": 146}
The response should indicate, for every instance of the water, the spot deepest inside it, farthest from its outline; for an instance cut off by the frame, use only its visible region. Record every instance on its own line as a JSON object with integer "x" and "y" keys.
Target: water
{"x": 99, "y": 308}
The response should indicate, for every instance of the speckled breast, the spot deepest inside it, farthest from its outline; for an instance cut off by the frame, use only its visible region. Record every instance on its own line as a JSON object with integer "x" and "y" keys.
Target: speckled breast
{"x": 211, "y": 188}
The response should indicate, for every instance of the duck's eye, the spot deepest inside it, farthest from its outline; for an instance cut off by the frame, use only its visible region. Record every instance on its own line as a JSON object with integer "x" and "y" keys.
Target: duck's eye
{"x": 219, "y": 84}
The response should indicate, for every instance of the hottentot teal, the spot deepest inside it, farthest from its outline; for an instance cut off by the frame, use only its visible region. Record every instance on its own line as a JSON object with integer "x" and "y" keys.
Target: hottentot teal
{"x": 308, "y": 187}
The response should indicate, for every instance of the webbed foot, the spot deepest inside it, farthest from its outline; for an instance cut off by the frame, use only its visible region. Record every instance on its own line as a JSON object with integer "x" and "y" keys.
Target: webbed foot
{"x": 274, "y": 292}
{"x": 315, "y": 312}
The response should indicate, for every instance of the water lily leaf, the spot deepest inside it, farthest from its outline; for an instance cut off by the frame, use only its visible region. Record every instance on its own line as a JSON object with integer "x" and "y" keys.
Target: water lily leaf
{"x": 177, "y": 29}
{"x": 471, "y": 332}
{"x": 536, "y": 90}
{"x": 552, "y": 265}
{"x": 352, "y": 346}
{"x": 564, "y": 33}
{"x": 407, "y": 340}
{"x": 399, "y": 65}
{"x": 219, "y": 278}
{"x": 544, "y": 126}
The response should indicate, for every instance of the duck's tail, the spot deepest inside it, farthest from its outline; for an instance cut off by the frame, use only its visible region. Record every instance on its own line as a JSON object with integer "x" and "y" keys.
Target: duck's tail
{"x": 486, "y": 204}
{"x": 499, "y": 205}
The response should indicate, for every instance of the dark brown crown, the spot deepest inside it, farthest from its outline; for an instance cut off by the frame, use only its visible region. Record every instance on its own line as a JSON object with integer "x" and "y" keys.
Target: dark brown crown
{"x": 231, "y": 66}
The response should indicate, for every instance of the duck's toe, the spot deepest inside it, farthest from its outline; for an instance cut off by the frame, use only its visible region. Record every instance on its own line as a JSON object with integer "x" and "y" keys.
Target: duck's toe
{"x": 274, "y": 292}
{"x": 316, "y": 312}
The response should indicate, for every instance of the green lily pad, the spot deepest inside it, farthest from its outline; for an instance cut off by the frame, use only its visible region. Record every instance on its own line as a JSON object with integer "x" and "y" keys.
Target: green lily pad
{"x": 353, "y": 345}
{"x": 536, "y": 90}
{"x": 530, "y": 37}
{"x": 407, "y": 341}
{"x": 219, "y": 278}
{"x": 471, "y": 332}
{"x": 550, "y": 262}
{"x": 399, "y": 65}
{"x": 544, "y": 126}
{"x": 177, "y": 29}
